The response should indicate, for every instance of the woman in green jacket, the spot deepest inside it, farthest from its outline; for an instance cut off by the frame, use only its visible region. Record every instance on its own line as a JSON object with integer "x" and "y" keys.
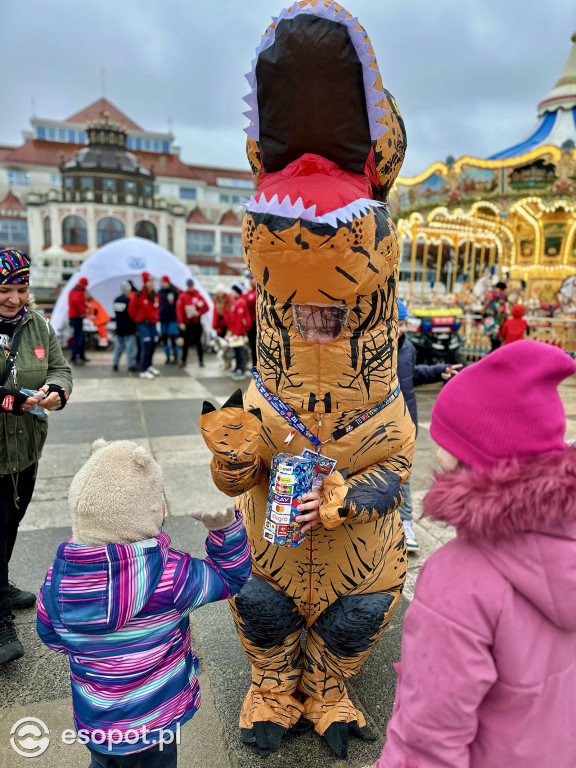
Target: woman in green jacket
{"x": 32, "y": 360}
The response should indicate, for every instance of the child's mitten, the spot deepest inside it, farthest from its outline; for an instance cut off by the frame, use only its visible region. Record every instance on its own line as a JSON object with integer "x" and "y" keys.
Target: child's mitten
{"x": 216, "y": 520}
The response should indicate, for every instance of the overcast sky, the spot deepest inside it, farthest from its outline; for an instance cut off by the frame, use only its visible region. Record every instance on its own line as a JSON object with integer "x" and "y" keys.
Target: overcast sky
{"x": 467, "y": 76}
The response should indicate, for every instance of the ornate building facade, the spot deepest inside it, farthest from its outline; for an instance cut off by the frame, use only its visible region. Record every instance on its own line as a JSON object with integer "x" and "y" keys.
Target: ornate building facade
{"x": 77, "y": 184}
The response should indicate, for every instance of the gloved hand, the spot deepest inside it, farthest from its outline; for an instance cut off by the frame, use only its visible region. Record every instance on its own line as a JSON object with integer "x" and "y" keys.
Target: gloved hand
{"x": 232, "y": 434}
{"x": 217, "y": 520}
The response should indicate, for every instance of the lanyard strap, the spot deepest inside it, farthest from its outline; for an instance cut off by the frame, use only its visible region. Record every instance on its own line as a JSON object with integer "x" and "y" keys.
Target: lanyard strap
{"x": 11, "y": 359}
{"x": 284, "y": 411}
{"x": 288, "y": 414}
{"x": 338, "y": 433}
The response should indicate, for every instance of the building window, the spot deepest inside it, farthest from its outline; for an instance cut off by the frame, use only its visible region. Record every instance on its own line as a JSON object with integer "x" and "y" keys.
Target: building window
{"x": 74, "y": 231}
{"x": 224, "y": 198}
{"x": 86, "y": 182}
{"x": 147, "y": 190}
{"x": 55, "y": 179}
{"x": 138, "y": 143}
{"x": 187, "y": 193}
{"x": 68, "y": 182}
{"x": 109, "y": 185}
{"x": 130, "y": 187}
{"x": 47, "y": 232}
{"x": 204, "y": 269}
{"x": 13, "y": 232}
{"x": 72, "y": 137}
{"x": 170, "y": 237}
{"x": 82, "y": 137}
{"x": 18, "y": 179}
{"x": 156, "y": 189}
{"x": 166, "y": 147}
{"x": 147, "y": 230}
{"x": 200, "y": 242}
{"x": 147, "y": 144}
{"x": 40, "y": 132}
{"x": 109, "y": 229}
{"x": 232, "y": 245}
{"x": 52, "y": 134}
{"x": 242, "y": 183}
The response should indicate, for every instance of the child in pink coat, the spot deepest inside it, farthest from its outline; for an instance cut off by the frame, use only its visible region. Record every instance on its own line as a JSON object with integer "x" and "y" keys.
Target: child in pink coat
{"x": 488, "y": 671}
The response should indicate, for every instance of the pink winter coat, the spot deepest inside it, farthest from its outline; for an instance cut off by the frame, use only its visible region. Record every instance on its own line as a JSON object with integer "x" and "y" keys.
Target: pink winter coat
{"x": 488, "y": 671}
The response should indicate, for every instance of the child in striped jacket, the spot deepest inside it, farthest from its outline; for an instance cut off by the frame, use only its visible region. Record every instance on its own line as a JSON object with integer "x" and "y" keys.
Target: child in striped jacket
{"x": 117, "y": 599}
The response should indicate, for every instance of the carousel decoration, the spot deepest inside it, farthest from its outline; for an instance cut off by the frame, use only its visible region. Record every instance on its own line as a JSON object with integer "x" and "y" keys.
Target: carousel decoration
{"x": 510, "y": 217}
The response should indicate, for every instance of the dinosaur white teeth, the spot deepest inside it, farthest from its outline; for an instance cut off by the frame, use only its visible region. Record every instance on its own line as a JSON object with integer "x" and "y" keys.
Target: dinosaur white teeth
{"x": 298, "y": 210}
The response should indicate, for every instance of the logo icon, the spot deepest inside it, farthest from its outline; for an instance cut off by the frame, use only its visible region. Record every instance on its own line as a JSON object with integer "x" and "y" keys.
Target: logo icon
{"x": 40, "y": 352}
{"x": 29, "y": 737}
{"x": 137, "y": 263}
{"x": 8, "y": 403}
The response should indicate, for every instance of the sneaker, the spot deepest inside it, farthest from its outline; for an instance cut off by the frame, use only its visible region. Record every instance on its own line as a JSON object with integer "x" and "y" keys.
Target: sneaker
{"x": 411, "y": 543}
{"x": 237, "y": 375}
{"x": 19, "y": 598}
{"x": 114, "y": 368}
{"x": 146, "y": 375}
{"x": 133, "y": 369}
{"x": 10, "y": 646}
{"x": 153, "y": 371}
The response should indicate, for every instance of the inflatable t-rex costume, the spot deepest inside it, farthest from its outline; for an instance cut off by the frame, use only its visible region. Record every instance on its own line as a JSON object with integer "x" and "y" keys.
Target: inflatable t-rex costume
{"x": 325, "y": 145}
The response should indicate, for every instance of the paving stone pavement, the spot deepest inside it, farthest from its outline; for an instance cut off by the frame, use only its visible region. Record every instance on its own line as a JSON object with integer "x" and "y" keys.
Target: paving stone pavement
{"x": 163, "y": 416}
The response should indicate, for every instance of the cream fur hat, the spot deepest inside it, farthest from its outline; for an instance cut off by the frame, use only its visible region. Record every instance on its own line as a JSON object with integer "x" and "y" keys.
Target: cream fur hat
{"x": 116, "y": 497}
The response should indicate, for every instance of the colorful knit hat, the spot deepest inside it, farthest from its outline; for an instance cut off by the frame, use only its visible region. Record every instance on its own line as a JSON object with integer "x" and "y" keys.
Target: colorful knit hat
{"x": 145, "y": 277}
{"x": 14, "y": 267}
{"x": 165, "y": 279}
{"x": 506, "y": 406}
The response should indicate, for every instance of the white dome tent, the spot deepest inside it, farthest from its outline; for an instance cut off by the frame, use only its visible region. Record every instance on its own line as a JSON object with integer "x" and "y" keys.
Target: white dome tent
{"x": 121, "y": 260}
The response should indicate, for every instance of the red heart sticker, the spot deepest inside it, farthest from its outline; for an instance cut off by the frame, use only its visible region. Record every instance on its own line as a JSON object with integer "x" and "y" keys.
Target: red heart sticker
{"x": 40, "y": 352}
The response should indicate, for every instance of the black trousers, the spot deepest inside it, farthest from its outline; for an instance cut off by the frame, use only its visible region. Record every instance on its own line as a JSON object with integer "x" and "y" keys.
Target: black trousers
{"x": 252, "y": 341}
{"x": 150, "y": 758}
{"x": 193, "y": 338}
{"x": 10, "y": 518}
{"x": 77, "y": 339}
{"x": 240, "y": 355}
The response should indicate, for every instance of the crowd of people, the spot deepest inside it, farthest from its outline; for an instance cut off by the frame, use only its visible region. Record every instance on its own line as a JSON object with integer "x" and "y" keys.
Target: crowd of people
{"x": 144, "y": 317}
{"x": 488, "y": 668}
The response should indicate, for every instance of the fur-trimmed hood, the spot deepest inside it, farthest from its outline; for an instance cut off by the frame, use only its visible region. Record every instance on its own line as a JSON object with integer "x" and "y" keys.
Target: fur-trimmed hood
{"x": 522, "y": 516}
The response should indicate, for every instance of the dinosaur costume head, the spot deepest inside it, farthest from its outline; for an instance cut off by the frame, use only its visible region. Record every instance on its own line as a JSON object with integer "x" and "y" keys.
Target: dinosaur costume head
{"x": 317, "y": 234}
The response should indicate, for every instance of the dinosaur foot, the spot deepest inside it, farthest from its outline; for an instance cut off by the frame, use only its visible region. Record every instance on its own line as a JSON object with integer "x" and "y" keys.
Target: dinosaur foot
{"x": 337, "y": 736}
{"x": 264, "y": 735}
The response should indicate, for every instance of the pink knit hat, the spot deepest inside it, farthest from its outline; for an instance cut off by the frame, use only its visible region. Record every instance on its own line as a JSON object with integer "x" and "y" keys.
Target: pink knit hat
{"x": 505, "y": 406}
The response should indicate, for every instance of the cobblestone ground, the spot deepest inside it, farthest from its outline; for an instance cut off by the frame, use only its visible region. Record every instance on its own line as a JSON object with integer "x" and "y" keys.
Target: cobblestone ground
{"x": 163, "y": 415}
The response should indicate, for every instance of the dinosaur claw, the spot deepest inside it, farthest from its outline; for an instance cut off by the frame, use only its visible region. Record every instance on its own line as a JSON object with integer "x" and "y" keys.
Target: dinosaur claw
{"x": 265, "y": 736}
{"x": 235, "y": 400}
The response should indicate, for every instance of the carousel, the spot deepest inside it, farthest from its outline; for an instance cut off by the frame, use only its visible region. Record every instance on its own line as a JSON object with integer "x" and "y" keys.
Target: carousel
{"x": 467, "y": 223}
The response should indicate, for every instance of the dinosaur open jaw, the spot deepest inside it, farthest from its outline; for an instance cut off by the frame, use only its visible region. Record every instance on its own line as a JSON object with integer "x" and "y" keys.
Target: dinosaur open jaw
{"x": 320, "y": 323}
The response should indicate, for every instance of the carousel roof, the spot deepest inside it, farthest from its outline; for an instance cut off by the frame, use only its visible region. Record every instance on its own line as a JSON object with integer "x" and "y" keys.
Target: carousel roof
{"x": 556, "y": 114}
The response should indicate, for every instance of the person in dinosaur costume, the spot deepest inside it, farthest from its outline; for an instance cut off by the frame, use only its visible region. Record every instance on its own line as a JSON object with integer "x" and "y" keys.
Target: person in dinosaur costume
{"x": 326, "y": 142}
